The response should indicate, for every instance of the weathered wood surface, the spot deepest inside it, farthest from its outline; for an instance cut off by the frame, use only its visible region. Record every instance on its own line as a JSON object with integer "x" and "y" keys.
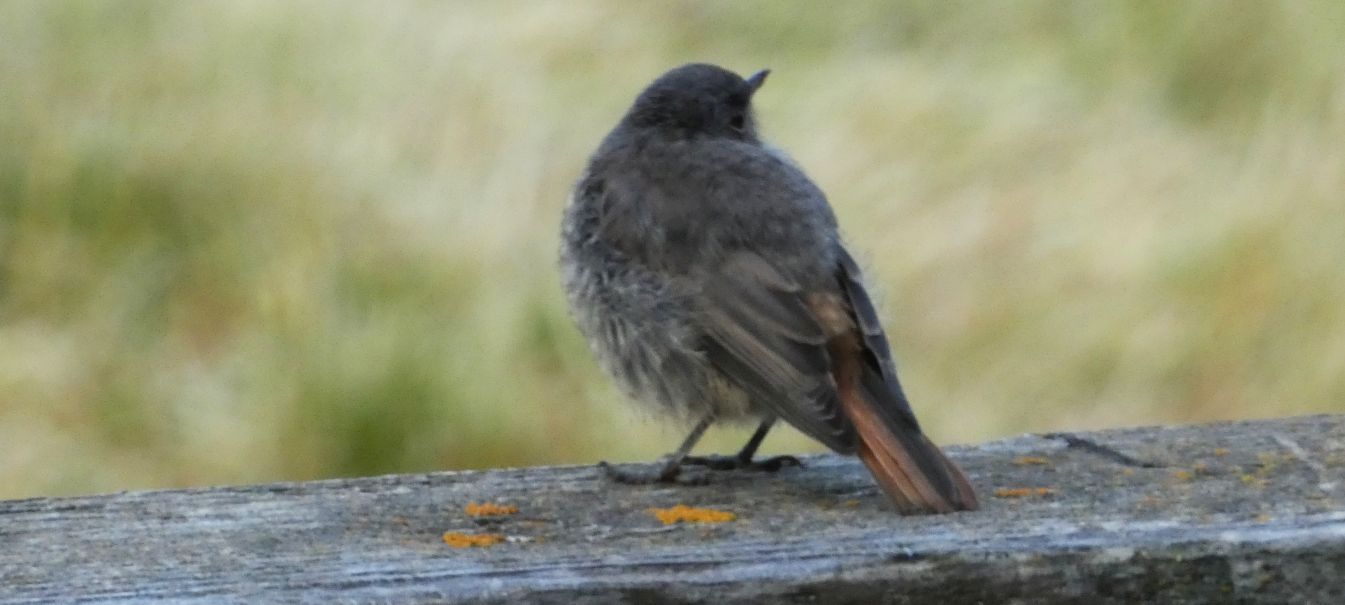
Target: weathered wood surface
{"x": 1243, "y": 512}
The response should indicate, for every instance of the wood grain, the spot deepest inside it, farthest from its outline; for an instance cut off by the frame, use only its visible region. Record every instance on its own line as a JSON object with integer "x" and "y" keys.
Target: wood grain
{"x": 1246, "y": 512}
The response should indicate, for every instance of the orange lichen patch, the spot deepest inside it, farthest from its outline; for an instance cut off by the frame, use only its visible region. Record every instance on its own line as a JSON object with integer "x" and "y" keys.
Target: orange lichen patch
{"x": 1220, "y": 451}
{"x": 1022, "y": 492}
{"x": 487, "y": 509}
{"x": 1030, "y": 460}
{"x": 460, "y": 540}
{"x": 686, "y": 514}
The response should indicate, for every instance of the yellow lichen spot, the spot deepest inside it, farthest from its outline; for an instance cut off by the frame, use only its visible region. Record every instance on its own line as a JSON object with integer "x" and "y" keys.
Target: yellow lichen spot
{"x": 1263, "y": 518}
{"x": 1127, "y": 471}
{"x": 1221, "y": 451}
{"x": 487, "y": 509}
{"x": 1253, "y": 480}
{"x": 460, "y": 540}
{"x": 1022, "y": 492}
{"x": 1030, "y": 460}
{"x": 686, "y": 514}
{"x": 851, "y": 503}
{"x": 1181, "y": 475}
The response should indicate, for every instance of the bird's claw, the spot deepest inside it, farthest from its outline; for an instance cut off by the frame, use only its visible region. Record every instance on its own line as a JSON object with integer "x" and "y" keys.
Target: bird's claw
{"x": 649, "y": 474}
{"x": 733, "y": 463}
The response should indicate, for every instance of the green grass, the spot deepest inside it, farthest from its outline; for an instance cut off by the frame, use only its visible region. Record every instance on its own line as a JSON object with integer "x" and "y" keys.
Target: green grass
{"x": 258, "y": 241}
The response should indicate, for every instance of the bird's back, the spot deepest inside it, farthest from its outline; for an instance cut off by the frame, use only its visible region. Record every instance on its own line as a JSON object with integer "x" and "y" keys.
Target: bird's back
{"x": 684, "y": 206}
{"x": 648, "y": 223}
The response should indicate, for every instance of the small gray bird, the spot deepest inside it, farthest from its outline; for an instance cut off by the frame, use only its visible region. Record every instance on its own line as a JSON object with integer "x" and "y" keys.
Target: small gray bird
{"x": 706, "y": 271}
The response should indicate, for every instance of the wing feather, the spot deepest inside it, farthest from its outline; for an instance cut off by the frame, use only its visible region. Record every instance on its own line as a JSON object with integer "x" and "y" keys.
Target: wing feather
{"x": 762, "y": 336}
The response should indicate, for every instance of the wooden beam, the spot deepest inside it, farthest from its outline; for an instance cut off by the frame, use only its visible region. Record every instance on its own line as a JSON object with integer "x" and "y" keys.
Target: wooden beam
{"x": 1248, "y": 511}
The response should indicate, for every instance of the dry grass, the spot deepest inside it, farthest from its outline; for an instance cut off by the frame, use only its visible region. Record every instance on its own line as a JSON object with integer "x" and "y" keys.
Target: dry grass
{"x": 254, "y": 240}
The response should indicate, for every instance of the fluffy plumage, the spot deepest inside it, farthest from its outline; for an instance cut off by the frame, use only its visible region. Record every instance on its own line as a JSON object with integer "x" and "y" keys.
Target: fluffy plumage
{"x": 708, "y": 275}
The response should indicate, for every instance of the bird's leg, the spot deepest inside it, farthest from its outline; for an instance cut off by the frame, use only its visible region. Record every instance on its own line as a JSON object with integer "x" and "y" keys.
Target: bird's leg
{"x": 671, "y": 467}
{"x": 744, "y": 458}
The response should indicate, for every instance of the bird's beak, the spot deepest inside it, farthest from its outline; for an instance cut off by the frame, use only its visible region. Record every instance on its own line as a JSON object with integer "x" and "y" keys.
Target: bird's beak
{"x": 757, "y": 79}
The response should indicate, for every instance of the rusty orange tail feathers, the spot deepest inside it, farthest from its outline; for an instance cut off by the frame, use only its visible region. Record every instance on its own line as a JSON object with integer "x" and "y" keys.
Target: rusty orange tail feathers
{"x": 914, "y": 472}
{"x": 897, "y": 467}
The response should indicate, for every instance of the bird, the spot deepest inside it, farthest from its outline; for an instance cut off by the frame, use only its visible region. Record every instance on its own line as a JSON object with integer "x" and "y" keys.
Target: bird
{"x": 708, "y": 275}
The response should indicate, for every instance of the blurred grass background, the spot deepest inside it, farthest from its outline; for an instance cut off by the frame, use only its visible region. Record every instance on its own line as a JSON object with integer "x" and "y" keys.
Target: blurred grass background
{"x": 251, "y": 241}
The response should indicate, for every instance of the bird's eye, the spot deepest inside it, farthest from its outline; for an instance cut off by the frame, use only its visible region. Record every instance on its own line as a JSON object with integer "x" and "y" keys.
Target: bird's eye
{"x": 737, "y": 122}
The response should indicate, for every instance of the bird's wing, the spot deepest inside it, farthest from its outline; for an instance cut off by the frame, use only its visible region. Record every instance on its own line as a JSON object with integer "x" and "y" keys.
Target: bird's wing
{"x": 820, "y": 360}
{"x": 877, "y": 355}
{"x": 763, "y": 336}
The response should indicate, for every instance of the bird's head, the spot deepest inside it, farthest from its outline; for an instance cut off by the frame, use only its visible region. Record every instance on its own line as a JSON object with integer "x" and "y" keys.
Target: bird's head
{"x": 698, "y": 100}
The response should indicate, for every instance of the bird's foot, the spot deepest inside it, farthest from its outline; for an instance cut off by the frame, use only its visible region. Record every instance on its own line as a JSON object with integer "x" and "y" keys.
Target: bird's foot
{"x": 666, "y": 471}
{"x": 649, "y": 474}
{"x": 733, "y": 463}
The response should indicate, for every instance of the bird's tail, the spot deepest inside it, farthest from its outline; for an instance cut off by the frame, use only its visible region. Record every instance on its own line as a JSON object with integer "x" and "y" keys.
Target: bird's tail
{"x": 914, "y": 473}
